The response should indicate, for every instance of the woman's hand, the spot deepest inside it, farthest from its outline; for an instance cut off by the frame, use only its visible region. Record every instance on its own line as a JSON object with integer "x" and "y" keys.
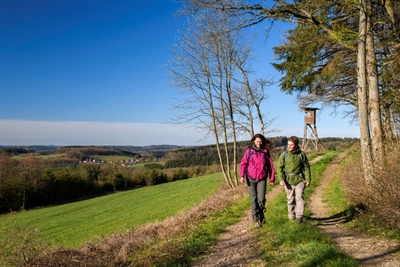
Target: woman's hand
{"x": 282, "y": 183}
{"x": 242, "y": 180}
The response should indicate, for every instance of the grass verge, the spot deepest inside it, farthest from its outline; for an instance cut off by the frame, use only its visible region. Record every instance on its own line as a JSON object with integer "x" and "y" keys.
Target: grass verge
{"x": 354, "y": 215}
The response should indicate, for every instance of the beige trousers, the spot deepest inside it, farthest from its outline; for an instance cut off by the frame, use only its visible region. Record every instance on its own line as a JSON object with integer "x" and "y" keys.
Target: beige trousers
{"x": 295, "y": 200}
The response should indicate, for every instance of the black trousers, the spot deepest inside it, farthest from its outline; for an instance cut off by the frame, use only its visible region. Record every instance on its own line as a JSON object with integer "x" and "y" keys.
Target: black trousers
{"x": 257, "y": 189}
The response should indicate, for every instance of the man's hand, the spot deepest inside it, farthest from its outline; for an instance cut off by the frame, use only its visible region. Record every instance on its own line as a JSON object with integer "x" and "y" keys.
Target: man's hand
{"x": 307, "y": 184}
{"x": 282, "y": 183}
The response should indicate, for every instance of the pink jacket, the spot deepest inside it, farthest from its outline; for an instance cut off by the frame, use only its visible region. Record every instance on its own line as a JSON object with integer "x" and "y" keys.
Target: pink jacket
{"x": 257, "y": 164}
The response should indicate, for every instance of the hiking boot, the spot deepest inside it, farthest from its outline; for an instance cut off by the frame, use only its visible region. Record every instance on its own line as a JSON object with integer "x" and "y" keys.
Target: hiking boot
{"x": 262, "y": 219}
{"x": 257, "y": 225}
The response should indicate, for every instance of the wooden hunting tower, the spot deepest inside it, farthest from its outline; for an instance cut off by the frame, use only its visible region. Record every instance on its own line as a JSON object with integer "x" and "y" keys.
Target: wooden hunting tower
{"x": 310, "y": 129}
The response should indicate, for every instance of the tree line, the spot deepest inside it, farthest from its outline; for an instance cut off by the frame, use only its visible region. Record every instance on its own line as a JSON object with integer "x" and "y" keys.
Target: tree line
{"x": 208, "y": 155}
{"x": 32, "y": 182}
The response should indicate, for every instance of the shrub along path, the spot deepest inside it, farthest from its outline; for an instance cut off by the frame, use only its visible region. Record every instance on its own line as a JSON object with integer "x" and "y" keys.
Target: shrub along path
{"x": 238, "y": 245}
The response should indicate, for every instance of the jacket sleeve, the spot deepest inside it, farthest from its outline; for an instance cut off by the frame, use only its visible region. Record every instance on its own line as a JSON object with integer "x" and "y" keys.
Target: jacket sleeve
{"x": 244, "y": 163}
{"x": 280, "y": 168}
{"x": 271, "y": 169}
{"x": 307, "y": 169}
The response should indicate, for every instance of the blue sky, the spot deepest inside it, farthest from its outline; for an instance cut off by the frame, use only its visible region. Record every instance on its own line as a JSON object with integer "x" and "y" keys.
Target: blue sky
{"x": 93, "y": 73}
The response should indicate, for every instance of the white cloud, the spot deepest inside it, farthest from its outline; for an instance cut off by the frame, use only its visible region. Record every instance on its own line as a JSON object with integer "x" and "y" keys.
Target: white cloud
{"x": 24, "y": 132}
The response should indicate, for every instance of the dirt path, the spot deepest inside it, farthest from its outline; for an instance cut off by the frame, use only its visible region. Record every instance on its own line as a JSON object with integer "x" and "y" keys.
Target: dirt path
{"x": 236, "y": 247}
{"x": 369, "y": 251}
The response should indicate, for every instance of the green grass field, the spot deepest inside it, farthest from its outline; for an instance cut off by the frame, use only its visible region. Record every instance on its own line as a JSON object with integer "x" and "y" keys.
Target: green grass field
{"x": 112, "y": 158}
{"x": 73, "y": 224}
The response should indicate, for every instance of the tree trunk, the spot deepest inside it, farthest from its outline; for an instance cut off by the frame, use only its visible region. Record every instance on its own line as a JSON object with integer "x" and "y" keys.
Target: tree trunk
{"x": 234, "y": 178}
{"x": 374, "y": 102}
{"x": 216, "y": 134}
{"x": 224, "y": 79}
{"x": 362, "y": 95}
{"x": 388, "y": 123}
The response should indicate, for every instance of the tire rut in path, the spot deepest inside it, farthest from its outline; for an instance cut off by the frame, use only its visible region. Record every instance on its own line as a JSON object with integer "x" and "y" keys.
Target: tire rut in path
{"x": 368, "y": 251}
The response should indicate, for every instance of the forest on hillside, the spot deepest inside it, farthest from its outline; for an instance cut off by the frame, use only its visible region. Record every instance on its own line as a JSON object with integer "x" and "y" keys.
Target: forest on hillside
{"x": 33, "y": 179}
{"x": 207, "y": 155}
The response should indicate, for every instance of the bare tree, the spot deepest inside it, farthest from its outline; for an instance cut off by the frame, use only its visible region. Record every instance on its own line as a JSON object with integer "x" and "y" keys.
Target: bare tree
{"x": 249, "y": 99}
{"x": 196, "y": 70}
{"x": 209, "y": 68}
{"x": 110, "y": 172}
{"x": 29, "y": 176}
{"x": 8, "y": 176}
{"x": 347, "y": 24}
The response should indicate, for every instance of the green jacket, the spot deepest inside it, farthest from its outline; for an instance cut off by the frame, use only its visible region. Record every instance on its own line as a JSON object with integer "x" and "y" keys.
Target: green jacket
{"x": 297, "y": 170}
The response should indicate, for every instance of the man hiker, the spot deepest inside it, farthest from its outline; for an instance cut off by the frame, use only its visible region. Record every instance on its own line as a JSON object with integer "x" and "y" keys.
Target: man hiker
{"x": 293, "y": 172}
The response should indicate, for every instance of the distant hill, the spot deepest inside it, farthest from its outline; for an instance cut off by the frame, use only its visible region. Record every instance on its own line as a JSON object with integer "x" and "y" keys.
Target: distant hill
{"x": 171, "y": 152}
{"x": 49, "y": 148}
{"x": 147, "y": 148}
{"x": 37, "y": 148}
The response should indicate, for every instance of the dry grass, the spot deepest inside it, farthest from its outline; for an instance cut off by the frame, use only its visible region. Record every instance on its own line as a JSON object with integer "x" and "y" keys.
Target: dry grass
{"x": 120, "y": 249}
{"x": 381, "y": 197}
{"x": 19, "y": 245}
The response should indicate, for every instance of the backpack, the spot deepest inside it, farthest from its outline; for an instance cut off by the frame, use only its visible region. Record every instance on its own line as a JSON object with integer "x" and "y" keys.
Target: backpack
{"x": 285, "y": 178}
{"x": 302, "y": 157}
{"x": 249, "y": 155}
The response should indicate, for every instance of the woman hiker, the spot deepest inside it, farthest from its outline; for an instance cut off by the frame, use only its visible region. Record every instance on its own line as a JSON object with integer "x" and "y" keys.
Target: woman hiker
{"x": 256, "y": 167}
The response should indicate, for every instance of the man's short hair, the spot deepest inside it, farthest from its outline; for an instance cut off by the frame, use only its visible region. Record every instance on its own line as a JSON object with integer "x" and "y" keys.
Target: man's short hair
{"x": 294, "y": 139}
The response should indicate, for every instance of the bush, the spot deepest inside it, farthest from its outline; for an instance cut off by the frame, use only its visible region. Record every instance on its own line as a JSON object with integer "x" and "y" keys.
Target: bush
{"x": 153, "y": 166}
{"x": 180, "y": 174}
{"x": 138, "y": 177}
{"x": 155, "y": 177}
{"x": 20, "y": 245}
{"x": 380, "y": 197}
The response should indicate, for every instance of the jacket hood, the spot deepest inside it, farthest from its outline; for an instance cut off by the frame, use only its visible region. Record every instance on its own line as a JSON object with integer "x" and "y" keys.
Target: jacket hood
{"x": 258, "y": 149}
{"x": 297, "y": 151}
